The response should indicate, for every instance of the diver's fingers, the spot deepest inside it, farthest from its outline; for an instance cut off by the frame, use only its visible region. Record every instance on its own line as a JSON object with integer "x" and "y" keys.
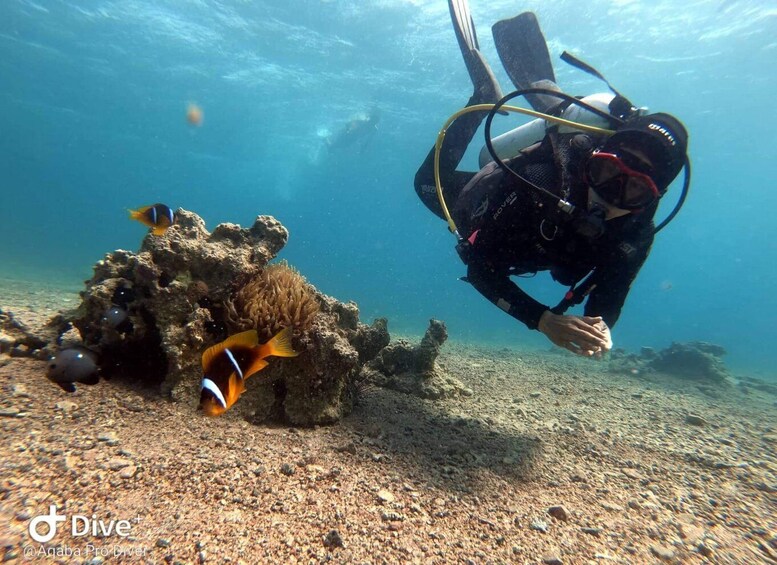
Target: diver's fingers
{"x": 571, "y": 337}
{"x": 584, "y": 338}
{"x": 582, "y": 351}
{"x": 601, "y": 325}
{"x": 564, "y": 343}
{"x": 572, "y": 347}
{"x": 595, "y": 326}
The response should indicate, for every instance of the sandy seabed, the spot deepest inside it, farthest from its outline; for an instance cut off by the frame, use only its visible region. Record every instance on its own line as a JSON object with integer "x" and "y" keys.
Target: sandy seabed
{"x": 552, "y": 460}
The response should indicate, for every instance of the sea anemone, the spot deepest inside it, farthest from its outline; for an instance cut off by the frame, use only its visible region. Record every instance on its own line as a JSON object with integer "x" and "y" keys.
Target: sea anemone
{"x": 274, "y": 298}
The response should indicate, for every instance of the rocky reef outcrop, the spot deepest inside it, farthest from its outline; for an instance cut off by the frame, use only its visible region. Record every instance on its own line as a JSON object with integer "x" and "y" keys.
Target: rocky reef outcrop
{"x": 149, "y": 316}
{"x": 413, "y": 369}
{"x": 696, "y": 360}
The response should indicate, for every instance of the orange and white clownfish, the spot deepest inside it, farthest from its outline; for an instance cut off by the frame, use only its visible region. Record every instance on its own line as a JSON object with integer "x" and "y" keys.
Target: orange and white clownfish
{"x": 158, "y": 217}
{"x": 228, "y": 364}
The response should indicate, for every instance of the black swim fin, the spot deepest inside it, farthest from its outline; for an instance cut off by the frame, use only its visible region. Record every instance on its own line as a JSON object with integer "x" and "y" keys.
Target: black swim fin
{"x": 524, "y": 54}
{"x": 487, "y": 90}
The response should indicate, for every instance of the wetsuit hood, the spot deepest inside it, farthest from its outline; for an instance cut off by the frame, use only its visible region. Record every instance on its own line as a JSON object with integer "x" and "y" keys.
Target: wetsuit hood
{"x": 661, "y": 137}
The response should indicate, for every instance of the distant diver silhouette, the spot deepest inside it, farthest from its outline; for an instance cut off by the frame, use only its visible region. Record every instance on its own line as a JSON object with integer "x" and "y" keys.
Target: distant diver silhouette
{"x": 358, "y": 131}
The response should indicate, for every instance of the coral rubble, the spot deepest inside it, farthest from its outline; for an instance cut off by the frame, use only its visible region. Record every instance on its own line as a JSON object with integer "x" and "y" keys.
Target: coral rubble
{"x": 188, "y": 289}
{"x": 414, "y": 369}
{"x": 19, "y": 340}
{"x": 697, "y": 361}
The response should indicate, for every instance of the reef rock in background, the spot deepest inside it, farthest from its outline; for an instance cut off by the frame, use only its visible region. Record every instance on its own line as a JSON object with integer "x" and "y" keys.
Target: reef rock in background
{"x": 12, "y": 332}
{"x": 747, "y": 383}
{"x": 414, "y": 369}
{"x": 17, "y": 339}
{"x": 695, "y": 360}
{"x": 150, "y": 315}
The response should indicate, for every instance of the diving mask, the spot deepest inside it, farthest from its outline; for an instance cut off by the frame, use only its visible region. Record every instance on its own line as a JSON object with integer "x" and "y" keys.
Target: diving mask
{"x": 618, "y": 184}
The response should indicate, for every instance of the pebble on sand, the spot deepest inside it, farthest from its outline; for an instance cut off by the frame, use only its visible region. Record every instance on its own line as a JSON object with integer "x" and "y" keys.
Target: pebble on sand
{"x": 559, "y": 512}
{"x": 539, "y": 525}
{"x": 695, "y": 420}
{"x": 333, "y": 540}
{"x": 662, "y": 552}
{"x": 66, "y": 405}
{"x": 108, "y": 438}
{"x": 385, "y": 496}
{"x": 611, "y": 506}
{"x": 128, "y": 472}
{"x": 117, "y": 463}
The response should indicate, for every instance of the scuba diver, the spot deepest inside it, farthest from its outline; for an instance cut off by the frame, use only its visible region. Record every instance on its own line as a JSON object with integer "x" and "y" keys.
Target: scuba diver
{"x": 576, "y": 198}
{"x": 361, "y": 128}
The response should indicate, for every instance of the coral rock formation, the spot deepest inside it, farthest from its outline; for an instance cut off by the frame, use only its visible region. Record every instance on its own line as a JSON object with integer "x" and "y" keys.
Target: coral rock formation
{"x": 176, "y": 292}
{"x": 317, "y": 386}
{"x": 694, "y": 360}
{"x": 414, "y": 369}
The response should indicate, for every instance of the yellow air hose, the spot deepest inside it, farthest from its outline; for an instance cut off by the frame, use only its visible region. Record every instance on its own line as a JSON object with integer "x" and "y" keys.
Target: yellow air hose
{"x": 487, "y": 107}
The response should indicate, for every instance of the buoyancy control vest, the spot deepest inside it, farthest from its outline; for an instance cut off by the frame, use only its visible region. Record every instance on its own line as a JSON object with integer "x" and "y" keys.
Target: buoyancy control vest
{"x": 554, "y": 163}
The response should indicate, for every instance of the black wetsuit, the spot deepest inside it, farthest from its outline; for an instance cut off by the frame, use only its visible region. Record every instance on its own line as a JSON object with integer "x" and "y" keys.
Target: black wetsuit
{"x": 513, "y": 230}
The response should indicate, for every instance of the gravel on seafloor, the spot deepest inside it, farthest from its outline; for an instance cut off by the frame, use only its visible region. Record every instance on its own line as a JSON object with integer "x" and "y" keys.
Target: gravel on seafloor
{"x": 551, "y": 460}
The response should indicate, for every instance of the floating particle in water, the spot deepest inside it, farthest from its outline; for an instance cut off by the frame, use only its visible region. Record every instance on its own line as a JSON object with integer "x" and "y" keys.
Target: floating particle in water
{"x": 194, "y": 114}
{"x": 666, "y": 286}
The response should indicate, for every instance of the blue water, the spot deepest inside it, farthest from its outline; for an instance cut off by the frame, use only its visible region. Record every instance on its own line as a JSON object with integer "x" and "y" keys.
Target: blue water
{"x": 93, "y": 97}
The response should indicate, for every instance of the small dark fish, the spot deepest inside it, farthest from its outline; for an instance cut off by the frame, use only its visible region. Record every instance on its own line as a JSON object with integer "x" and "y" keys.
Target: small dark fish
{"x": 115, "y": 316}
{"x": 123, "y": 295}
{"x": 158, "y": 217}
{"x": 228, "y": 364}
{"x": 73, "y": 365}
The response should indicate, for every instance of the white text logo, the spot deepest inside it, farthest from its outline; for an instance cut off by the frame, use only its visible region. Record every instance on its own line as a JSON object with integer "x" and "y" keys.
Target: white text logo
{"x": 80, "y": 526}
{"x": 51, "y": 520}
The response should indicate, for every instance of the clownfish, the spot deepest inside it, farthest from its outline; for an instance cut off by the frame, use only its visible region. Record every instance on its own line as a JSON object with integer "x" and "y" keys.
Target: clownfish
{"x": 228, "y": 364}
{"x": 158, "y": 217}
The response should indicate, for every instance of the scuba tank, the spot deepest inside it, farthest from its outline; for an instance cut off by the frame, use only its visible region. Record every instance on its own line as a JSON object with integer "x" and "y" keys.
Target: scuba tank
{"x": 509, "y": 144}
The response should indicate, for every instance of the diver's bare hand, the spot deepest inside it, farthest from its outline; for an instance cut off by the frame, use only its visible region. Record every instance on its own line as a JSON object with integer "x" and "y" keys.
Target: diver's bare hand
{"x": 582, "y": 335}
{"x": 601, "y": 325}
